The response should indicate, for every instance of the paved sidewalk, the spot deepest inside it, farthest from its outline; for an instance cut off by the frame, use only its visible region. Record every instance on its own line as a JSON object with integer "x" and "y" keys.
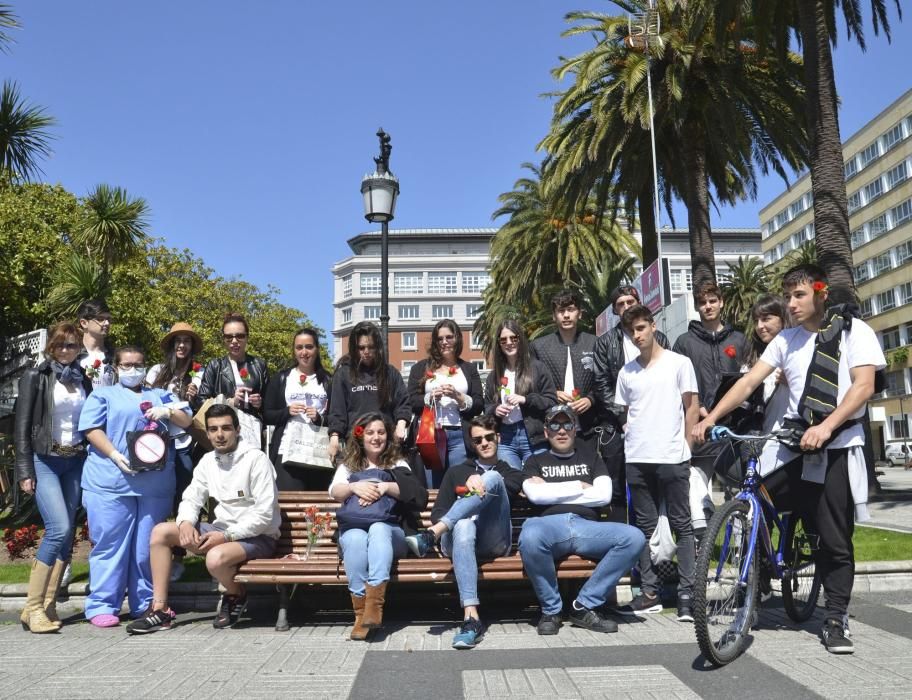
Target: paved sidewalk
{"x": 656, "y": 658}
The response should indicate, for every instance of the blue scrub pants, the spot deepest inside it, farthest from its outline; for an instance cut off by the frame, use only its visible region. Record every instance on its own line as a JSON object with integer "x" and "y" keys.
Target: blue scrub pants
{"x": 120, "y": 528}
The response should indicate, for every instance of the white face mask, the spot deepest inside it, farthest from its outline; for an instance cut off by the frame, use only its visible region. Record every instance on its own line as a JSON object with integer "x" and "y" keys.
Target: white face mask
{"x": 131, "y": 377}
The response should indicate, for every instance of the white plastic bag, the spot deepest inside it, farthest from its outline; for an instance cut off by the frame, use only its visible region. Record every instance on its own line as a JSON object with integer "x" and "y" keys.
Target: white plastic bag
{"x": 662, "y": 546}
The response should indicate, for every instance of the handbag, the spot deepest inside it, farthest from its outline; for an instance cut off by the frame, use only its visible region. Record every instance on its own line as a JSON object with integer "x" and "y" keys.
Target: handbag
{"x": 251, "y": 429}
{"x": 431, "y": 440}
{"x": 351, "y": 515}
{"x": 306, "y": 443}
{"x": 662, "y": 546}
{"x": 198, "y": 427}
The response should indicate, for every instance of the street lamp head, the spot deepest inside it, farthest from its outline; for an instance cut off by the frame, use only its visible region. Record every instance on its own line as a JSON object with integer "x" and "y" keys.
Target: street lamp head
{"x": 380, "y": 188}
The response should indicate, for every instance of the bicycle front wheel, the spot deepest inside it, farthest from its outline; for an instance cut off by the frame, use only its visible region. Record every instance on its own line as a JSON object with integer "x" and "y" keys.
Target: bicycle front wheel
{"x": 801, "y": 580}
{"x": 723, "y": 603}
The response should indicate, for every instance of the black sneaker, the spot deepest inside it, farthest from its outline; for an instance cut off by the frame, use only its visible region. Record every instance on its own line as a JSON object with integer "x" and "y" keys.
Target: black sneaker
{"x": 421, "y": 543}
{"x": 685, "y": 609}
{"x": 591, "y": 620}
{"x": 471, "y": 632}
{"x": 549, "y": 624}
{"x": 152, "y": 621}
{"x": 641, "y": 605}
{"x": 835, "y": 637}
{"x": 230, "y": 610}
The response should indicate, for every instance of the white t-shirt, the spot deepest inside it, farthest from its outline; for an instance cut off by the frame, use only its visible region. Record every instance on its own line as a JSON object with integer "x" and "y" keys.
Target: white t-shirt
{"x": 515, "y": 415}
{"x": 311, "y": 393}
{"x": 631, "y": 351}
{"x": 655, "y": 409}
{"x": 447, "y": 407}
{"x": 67, "y": 407}
{"x": 792, "y": 351}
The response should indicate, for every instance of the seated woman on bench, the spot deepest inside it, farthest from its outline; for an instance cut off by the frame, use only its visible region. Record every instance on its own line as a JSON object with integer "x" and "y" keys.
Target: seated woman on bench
{"x": 381, "y": 498}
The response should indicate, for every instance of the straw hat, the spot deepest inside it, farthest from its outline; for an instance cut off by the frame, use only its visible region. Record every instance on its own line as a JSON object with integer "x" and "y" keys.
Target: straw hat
{"x": 182, "y": 329}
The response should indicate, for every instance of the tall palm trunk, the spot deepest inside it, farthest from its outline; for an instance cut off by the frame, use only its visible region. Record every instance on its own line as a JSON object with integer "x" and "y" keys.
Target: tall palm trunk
{"x": 831, "y": 214}
{"x": 648, "y": 232}
{"x": 696, "y": 198}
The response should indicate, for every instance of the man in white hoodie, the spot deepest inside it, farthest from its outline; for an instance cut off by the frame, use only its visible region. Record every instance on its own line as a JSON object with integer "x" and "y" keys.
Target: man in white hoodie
{"x": 242, "y": 480}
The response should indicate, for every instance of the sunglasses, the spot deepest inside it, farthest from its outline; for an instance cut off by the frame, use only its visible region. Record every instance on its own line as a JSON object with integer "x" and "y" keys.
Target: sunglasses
{"x": 68, "y": 346}
{"x": 102, "y": 319}
{"x": 555, "y": 426}
{"x": 509, "y": 340}
{"x": 234, "y": 336}
{"x": 487, "y": 437}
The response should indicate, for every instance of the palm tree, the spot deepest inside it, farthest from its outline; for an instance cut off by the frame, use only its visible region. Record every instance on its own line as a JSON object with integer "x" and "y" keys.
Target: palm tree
{"x": 24, "y": 138}
{"x": 113, "y": 225}
{"x": 814, "y": 21}
{"x": 720, "y": 113}
{"x": 8, "y": 20}
{"x": 77, "y": 279}
{"x": 747, "y": 279}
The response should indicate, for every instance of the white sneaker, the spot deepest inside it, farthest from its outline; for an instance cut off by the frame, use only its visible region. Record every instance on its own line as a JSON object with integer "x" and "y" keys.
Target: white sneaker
{"x": 177, "y": 570}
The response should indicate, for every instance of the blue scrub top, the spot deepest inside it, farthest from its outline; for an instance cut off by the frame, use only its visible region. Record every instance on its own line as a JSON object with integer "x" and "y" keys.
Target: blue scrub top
{"x": 115, "y": 410}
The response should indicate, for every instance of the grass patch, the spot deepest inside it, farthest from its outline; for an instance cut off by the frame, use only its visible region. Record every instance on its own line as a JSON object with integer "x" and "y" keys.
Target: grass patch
{"x": 874, "y": 544}
{"x": 19, "y": 572}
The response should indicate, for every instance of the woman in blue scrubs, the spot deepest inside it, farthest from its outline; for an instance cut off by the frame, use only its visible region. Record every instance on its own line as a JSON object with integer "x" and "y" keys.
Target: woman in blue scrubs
{"x": 124, "y": 505}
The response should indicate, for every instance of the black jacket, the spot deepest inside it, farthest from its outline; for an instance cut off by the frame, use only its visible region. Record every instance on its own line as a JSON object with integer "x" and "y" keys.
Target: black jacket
{"x": 712, "y": 355}
{"x": 416, "y": 396}
{"x": 275, "y": 410}
{"x": 349, "y": 401}
{"x": 34, "y": 416}
{"x": 459, "y": 474}
{"x": 552, "y": 352}
{"x": 413, "y": 498}
{"x": 218, "y": 378}
{"x": 609, "y": 358}
{"x": 538, "y": 400}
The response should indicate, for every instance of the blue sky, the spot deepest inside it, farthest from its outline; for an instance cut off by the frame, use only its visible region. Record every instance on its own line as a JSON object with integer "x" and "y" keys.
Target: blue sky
{"x": 248, "y": 126}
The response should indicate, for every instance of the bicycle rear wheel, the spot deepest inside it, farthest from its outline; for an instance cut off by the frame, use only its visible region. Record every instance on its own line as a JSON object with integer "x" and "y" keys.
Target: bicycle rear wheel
{"x": 801, "y": 580}
{"x": 723, "y": 605}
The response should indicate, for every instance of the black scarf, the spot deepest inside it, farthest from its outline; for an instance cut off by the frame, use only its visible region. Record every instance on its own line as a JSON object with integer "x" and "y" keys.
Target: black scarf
{"x": 67, "y": 375}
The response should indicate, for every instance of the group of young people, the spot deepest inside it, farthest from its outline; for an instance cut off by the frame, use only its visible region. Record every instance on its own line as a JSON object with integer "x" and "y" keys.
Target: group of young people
{"x": 568, "y": 422}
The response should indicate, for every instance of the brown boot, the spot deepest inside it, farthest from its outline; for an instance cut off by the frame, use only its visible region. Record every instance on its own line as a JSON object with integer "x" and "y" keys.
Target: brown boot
{"x": 50, "y": 596}
{"x": 33, "y": 617}
{"x": 359, "y": 631}
{"x": 373, "y": 606}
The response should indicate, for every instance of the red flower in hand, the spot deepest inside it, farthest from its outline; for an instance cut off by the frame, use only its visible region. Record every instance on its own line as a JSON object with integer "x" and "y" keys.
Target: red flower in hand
{"x": 575, "y": 394}
{"x": 462, "y": 490}
{"x": 197, "y": 366}
{"x": 302, "y": 379}
{"x": 244, "y": 374}
{"x": 452, "y": 371}
{"x": 731, "y": 352}
{"x": 145, "y": 406}
{"x": 358, "y": 432}
{"x": 96, "y": 364}
{"x": 819, "y": 287}
{"x": 429, "y": 374}
{"x": 504, "y": 381}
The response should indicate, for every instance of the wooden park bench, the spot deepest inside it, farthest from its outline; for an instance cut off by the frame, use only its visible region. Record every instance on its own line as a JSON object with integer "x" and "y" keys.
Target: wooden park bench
{"x": 323, "y": 566}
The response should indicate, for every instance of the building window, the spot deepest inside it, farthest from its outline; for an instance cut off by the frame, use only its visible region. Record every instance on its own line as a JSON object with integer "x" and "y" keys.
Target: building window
{"x": 479, "y": 365}
{"x": 886, "y": 301}
{"x": 861, "y": 273}
{"x": 408, "y": 283}
{"x": 877, "y": 226}
{"x": 440, "y": 283}
{"x": 346, "y": 316}
{"x": 371, "y": 313}
{"x": 892, "y": 137}
{"x": 473, "y": 310}
{"x": 474, "y": 282}
{"x": 476, "y": 342}
{"x": 881, "y": 263}
{"x": 370, "y": 283}
{"x": 905, "y": 293}
{"x": 439, "y": 311}
{"x": 851, "y": 167}
{"x": 677, "y": 281}
{"x": 854, "y": 201}
{"x": 903, "y": 252}
{"x": 347, "y": 287}
{"x": 408, "y": 312}
{"x": 858, "y": 238}
{"x": 900, "y": 425}
{"x": 765, "y": 231}
{"x": 407, "y": 366}
{"x": 902, "y": 213}
{"x": 409, "y": 341}
{"x": 873, "y": 190}
{"x": 894, "y": 383}
{"x": 689, "y": 281}
{"x": 869, "y": 154}
{"x": 896, "y": 175}
{"x": 867, "y": 308}
{"x": 890, "y": 339}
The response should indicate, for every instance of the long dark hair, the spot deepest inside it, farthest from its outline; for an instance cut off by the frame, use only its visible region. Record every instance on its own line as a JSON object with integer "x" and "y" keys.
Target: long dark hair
{"x": 322, "y": 375}
{"x": 523, "y": 359}
{"x": 766, "y": 305}
{"x": 354, "y": 359}
{"x": 435, "y": 356}
{"x": 355, "y": 459}
{"x": 171, "y": 370}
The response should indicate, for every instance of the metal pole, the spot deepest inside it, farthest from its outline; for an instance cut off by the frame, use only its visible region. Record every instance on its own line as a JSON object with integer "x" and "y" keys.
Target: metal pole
{"x": 384, "y": 288}
{"x": 655, "y": 189}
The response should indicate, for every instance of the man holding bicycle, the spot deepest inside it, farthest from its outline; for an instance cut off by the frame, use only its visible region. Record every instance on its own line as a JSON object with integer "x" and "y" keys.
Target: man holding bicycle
{"x": 829, "y": 360}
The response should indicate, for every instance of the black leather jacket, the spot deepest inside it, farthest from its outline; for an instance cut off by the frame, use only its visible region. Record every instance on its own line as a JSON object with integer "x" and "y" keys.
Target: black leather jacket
{"x": 218, "y": 378}
{"x": 609, "y": 358}
{"x": 552, "y": 352}
{"x": 34, "y": 416}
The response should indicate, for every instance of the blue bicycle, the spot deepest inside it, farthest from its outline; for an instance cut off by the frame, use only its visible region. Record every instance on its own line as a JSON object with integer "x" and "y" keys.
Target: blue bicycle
{"x": 730, "y": 563}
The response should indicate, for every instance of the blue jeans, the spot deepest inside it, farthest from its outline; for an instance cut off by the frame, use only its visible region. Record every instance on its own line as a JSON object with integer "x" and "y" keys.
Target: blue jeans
{"x": 547, "y": 538}
{"x": 514, "y": 448}
{"x": 57, "y": 493}
{"x": 487, "y": 536}
{"x": 456, "y": 454}
{"x": 368, "y": 555}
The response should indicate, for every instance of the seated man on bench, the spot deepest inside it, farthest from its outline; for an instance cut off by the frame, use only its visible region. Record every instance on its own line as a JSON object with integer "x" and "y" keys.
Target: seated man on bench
{"x": 477, "y": 525}
{"x": 242, "y": 480}
{"x": 570, "y": 484}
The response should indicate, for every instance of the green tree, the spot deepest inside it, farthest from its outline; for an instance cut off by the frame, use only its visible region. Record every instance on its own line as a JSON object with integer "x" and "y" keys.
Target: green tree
{"x": 76, "y": 279}
{"x": 720, "y": 114}
{"x": 8, "y": 20}
{"x": 24, "y": 135}
{"x": 746, "y": 280}
{"x": 113, "y": 225}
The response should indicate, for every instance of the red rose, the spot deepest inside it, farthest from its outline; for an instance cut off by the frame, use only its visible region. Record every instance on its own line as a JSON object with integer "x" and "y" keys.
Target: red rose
{"x": 96, "y": 364}
{"x": 576, "y": 394}
{"x": 244, "y": 373}
{"x": 731, "y": 352}
{"x": 462, "y": 490}
{"x": 358, "y": 432}
{"x": 429, "y": 374}
{"x": 504, "y": 381}
{"x": 145, "y": 406}
{"x": 819, "y": 286}
{"x": 197, "y": 366}
{"x": 302, "y": 379}
{"x": 452, "y": 371}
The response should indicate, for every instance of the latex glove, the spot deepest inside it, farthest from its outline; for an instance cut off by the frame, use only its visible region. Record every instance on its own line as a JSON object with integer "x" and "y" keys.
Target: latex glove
{"x": 122, "y": 463}
{"x": 158, "y": 413}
